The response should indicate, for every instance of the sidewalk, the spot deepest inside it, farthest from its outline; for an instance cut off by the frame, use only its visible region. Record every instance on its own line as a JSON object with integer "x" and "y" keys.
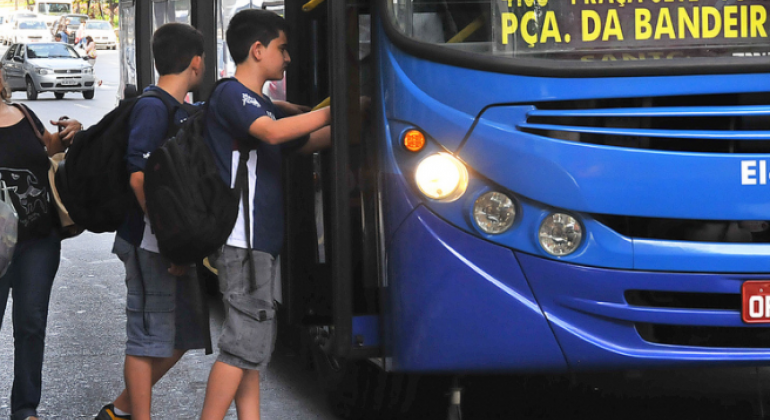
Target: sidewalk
{"x": 85, "y": 345}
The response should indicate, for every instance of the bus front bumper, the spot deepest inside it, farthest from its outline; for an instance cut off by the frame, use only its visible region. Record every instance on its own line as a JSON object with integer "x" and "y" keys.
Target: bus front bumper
{"x": 458, "y": 303}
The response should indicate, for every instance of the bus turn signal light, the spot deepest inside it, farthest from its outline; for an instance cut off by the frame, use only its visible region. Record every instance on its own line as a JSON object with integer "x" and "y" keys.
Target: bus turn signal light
{"x": 414, "y": 140}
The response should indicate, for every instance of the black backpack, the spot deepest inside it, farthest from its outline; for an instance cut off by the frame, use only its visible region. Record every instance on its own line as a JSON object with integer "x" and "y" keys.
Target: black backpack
{"x": 191, "y": 209}
{"x": 93, "y": 180}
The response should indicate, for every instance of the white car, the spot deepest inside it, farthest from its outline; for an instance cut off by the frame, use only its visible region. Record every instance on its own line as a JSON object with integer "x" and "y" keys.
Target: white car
{"x": 28, "y": 31}
{"x": 102, "y": 33}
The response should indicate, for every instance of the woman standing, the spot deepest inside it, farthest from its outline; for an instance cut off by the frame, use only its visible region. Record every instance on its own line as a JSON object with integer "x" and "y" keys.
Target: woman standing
{"x": 91, "y": 50}
{"x": 80, "y": 35}
{"x": 24, "y": 168}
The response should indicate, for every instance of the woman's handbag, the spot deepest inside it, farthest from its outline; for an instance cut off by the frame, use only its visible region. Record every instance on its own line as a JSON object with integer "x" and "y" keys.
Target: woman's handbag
{"x": 9, "y": 228}
{"x": 68, "y": 227}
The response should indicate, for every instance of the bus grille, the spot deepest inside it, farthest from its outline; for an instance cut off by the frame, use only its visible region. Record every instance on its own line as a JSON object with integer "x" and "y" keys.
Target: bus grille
{"x": 683, "y": 300}
{"x": 696, "y": 336}
{"x": 724, "y": 337}
{"x": 722, "y": 231}
{"x": 704, "y": 124}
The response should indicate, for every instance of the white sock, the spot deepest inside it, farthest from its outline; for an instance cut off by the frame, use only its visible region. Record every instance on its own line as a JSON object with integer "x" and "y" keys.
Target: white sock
{"x": 120, "y": 412}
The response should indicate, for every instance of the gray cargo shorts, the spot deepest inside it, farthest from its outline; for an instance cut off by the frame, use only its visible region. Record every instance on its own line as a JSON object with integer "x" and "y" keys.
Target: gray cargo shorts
{"x": 160, "y": 308}
{"x": 250, "y": 326}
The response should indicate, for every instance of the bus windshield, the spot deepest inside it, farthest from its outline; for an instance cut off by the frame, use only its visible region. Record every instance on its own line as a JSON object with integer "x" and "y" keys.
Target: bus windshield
{"x": 53, "y": 8}
{"x": 588, "y": 30}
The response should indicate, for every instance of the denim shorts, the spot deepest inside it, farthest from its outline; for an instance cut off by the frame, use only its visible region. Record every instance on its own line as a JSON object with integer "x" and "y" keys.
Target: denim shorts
{"x": 162, "y": 311}
{"x": 250, "y": 326}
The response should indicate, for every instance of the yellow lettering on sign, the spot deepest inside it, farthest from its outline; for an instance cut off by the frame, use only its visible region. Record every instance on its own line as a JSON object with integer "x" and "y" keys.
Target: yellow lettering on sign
{"x": 731, "y": 21}
{"x": 642, "y": 24}
{"x": 744, "y": 21}
{"x": 510, "y": 24}
{"x": 591, "y": 17}
{"x": 550, "y": 28}
{"x": 687, "y": 23}
{"x": 529, "y": 38}
{"x": 708, "y": 31}
{"x": 758, "y": 18}
{"x": 664, "y": 26}
{"x": 612, "y": 27}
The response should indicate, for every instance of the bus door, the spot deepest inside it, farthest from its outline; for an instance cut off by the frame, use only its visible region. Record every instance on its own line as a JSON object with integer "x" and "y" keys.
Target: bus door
{"x": 331, "y": 262}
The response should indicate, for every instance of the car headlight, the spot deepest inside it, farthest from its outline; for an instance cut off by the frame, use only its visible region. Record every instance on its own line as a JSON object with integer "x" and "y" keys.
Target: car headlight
{"x": 43, "y": 71}
{"x": 88, "y": 70}
{"x": 494, "y": 212}
{"x": 441, "y": 177}
{"x": 560, "y": 234}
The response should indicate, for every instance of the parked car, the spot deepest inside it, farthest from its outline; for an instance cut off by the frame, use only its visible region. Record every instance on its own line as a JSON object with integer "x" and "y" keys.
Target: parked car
{"x": 69, "y": 23}
{"x": 6, "y": 30}
{"x": 47, "y": 67}
{"x": 30, "y": 30}
{"x": 102, "y": 33}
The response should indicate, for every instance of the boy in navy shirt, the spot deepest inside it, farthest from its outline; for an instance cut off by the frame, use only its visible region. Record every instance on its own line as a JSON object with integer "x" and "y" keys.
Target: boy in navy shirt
{"x": 240, "y": 117}
{"x": 164, "y": 309}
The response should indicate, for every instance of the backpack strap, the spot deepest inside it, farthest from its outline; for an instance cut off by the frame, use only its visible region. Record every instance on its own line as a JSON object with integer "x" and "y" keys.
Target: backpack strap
{"x": 170, "y": 106}
{"x": 25, "y": 111}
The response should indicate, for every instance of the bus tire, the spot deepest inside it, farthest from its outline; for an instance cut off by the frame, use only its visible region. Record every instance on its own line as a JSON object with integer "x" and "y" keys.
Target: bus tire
{"x": 357, "y": 390}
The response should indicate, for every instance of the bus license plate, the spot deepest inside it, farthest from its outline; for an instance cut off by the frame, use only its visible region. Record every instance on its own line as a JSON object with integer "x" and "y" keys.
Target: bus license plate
{"x": 69, "y": 82}
{"x": 756, "y": 301}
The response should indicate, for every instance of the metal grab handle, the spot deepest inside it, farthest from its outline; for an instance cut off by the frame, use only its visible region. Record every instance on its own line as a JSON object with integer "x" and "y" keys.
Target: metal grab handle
{"x": 323, "y": 103}
{"x": 312, "y": 4}
{"x": 468, "y": 30}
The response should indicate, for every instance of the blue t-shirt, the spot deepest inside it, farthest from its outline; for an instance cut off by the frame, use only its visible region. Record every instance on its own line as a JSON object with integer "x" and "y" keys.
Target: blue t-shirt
{"x": 148, "y": 125}
{"x": 233, "y": 108}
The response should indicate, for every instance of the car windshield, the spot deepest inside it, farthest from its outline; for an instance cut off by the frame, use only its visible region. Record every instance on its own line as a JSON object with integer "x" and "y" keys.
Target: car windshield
{"x": 51, "y": 51}
{"x": 102, "y": 26}
{"x": 75, "y": 20}
{"x": 32, "y": 24}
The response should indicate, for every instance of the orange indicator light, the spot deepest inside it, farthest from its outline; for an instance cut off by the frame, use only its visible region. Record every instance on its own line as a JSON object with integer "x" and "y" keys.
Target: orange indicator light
{"x": 414, "y": 140}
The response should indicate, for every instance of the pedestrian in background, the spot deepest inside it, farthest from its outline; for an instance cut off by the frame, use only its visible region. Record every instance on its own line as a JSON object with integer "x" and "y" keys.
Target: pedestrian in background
{"x": 91, "y": 50}
{"x": 24, "y": 167}
{"x": 80, "y": 35}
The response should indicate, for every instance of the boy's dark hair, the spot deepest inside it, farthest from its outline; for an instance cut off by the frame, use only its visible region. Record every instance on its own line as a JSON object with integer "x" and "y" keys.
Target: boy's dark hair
{"x": 174, "y": 45}
{"x": 249, "y": 26}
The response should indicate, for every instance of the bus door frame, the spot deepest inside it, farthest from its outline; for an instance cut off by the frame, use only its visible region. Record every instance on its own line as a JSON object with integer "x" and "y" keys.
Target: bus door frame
{"x": 202, "y": 17}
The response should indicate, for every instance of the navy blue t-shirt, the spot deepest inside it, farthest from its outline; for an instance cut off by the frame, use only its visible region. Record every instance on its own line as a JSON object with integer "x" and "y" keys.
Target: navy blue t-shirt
{"x": 149, "y": 127}
{"x": 233, "y": 108}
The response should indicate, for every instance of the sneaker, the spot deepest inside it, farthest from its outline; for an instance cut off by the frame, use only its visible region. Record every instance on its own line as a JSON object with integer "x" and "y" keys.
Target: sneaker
{"x": 108, "y": 413}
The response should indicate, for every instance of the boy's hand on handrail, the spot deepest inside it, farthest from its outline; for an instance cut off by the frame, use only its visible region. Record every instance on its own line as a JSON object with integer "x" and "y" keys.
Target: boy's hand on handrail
{"x": 290, "y": 109}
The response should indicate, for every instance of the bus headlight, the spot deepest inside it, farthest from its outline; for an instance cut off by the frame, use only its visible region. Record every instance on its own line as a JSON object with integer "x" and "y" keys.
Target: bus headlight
{"x": 560, "y": 234}
{"x": 494, "y": 212}
{"x": 441, "y": 177}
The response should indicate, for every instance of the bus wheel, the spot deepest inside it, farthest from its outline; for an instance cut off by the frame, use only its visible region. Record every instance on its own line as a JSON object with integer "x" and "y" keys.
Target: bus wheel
{"x": 357, "y": 389}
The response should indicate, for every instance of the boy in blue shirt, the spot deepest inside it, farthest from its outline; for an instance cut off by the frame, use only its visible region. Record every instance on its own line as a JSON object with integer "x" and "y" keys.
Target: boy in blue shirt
{"x": 240, "y": 117}
{"x": 164, "y": 309}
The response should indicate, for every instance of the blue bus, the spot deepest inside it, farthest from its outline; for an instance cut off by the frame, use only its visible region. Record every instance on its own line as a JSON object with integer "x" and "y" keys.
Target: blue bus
{"x": 538, "y": 186}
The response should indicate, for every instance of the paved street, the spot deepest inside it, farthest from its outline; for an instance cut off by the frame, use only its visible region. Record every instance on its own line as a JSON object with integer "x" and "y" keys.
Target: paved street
{"x": 86, "y": 330}
{"x": 83, "y": 368}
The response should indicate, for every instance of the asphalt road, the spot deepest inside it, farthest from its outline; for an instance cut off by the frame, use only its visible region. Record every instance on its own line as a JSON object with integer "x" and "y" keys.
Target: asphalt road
{"x": 84, "y": 356}
{"x": 86, "y": 330}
